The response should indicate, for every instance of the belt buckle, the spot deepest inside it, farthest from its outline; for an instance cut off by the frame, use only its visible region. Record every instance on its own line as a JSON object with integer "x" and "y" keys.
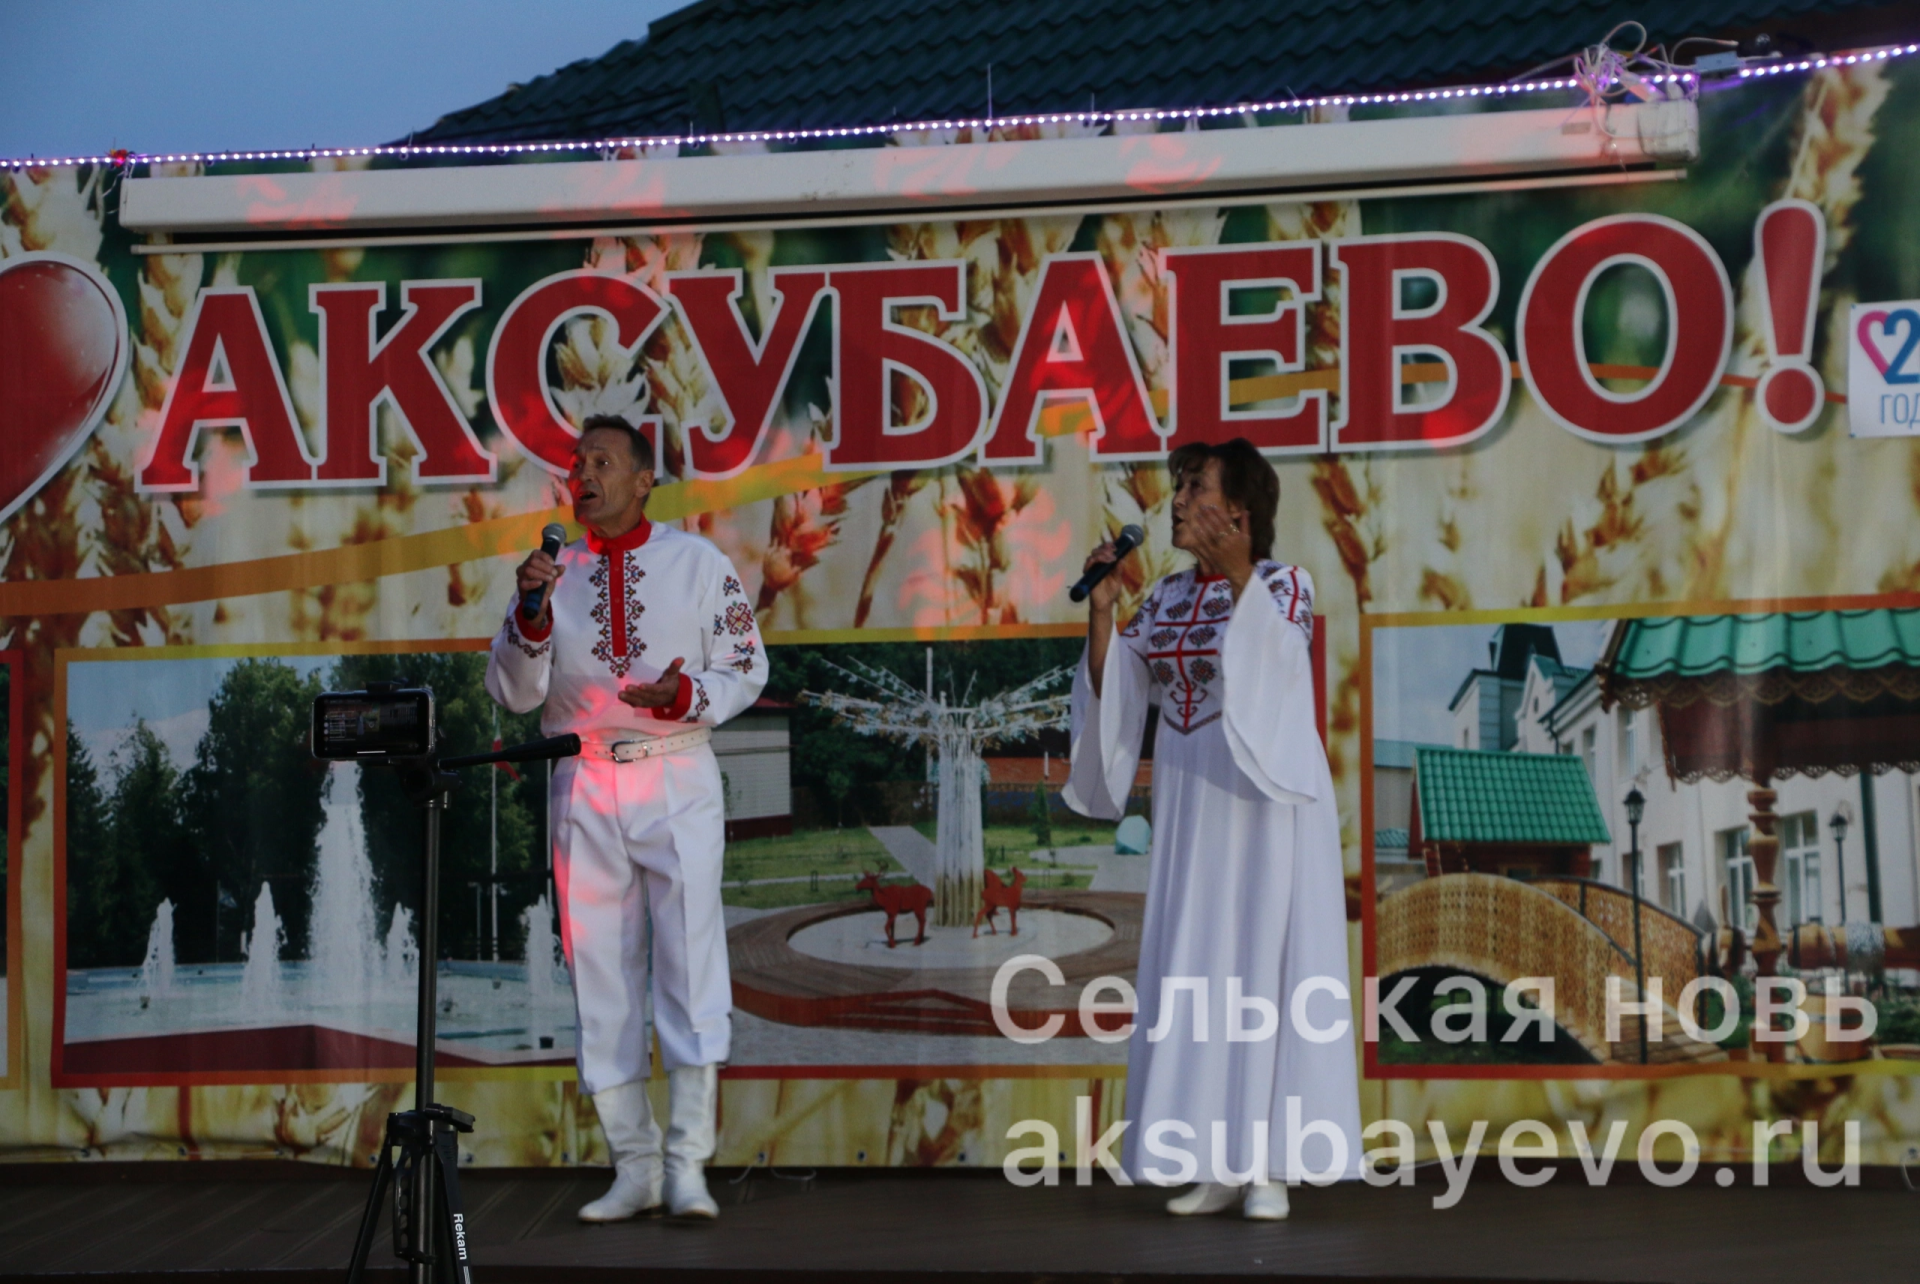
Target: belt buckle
{"x": 629, "y": 751}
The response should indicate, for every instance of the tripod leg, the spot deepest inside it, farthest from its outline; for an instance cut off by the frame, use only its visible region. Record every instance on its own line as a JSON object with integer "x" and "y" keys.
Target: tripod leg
{"x": 456, "y": 1264}
{"x": 370, "y": 1220}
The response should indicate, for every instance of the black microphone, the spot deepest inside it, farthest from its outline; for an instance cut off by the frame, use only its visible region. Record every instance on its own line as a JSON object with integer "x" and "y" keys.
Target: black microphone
{"x": 1130, "y": 538}
{"x": 553, "y": 538}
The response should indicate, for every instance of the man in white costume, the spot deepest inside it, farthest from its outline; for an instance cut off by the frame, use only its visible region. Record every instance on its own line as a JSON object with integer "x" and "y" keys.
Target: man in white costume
{"x": 1246, "y": 895}
{"x": 644, "y": 642}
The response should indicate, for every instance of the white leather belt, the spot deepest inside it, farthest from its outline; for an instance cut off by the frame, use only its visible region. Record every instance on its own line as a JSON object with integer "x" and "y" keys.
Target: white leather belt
{"x": 638, "y": 750}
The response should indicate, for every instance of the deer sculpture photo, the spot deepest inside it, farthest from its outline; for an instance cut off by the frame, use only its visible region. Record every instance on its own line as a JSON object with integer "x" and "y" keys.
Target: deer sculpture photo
{"x": 908, "y": 898}
{"x": 996, "y": 896}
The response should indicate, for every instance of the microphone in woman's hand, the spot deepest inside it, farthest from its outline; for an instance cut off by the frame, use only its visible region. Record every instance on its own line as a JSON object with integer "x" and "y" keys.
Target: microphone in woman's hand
{"x": 1130, "y": 538}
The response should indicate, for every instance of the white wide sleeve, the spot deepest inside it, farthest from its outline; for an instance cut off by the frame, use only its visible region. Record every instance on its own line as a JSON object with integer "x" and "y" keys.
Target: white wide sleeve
{"x": 1107, "y": 728}
{"x": 733, "y": 667}
{"x": 519, "y": 665}
{"x": 1268, "y": 669}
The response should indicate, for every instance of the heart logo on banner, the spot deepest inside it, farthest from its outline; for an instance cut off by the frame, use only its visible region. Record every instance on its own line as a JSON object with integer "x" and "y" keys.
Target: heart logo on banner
{"x": 63, "y": 350}
{"x": 1892, "y": 369}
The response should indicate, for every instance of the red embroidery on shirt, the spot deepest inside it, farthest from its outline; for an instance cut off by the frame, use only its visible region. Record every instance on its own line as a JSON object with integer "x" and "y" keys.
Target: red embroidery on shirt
{"x": 618, "y": 610}
{"x": 531, "y": 647}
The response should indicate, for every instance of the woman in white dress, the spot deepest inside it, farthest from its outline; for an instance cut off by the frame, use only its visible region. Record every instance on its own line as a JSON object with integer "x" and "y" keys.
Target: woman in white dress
{"x": 1241, "y": 1070}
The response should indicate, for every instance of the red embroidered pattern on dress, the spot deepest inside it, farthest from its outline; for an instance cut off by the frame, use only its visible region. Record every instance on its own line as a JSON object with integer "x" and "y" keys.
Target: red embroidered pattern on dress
{"x": 739, "y": 618}
{"x": 700, "y": 701}
{"x": 617, "y": 612}
{"x": 1180, "y": 657}
{"x": 743, "y": 653}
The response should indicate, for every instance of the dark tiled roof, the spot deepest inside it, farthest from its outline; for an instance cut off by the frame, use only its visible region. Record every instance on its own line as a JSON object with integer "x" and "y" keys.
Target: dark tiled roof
{"x": 770, "y": 64}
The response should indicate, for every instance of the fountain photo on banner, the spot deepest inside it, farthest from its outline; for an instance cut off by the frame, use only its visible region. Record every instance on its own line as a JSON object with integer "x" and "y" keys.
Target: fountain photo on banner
{"x": 926, "y": 845}
{"x": 234, "y": 907}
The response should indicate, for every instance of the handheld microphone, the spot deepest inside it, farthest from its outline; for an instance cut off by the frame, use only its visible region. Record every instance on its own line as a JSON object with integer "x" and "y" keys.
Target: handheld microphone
{"x": 1130, "y": 538}
{"x": 553, "y": 538}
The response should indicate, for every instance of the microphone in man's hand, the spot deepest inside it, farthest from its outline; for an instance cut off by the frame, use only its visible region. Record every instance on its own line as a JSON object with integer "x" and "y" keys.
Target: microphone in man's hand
{"x": 1130, "y": 538}
{"x": 553, "y": 538}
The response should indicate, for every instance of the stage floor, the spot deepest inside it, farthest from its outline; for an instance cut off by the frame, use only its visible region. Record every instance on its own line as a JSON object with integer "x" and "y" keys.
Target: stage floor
{"x": 254, "y": 1223}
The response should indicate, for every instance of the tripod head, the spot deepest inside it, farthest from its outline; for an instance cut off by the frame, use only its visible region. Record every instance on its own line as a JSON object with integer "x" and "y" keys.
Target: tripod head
{"x": 396, "y": 725}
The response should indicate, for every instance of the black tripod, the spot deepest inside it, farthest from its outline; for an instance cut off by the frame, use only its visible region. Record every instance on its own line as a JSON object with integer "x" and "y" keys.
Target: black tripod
{"x": 419, "y": 1155}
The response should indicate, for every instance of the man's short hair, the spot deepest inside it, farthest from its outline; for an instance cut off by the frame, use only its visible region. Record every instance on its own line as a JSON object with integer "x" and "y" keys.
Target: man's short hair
{"x": 636, "y": 440}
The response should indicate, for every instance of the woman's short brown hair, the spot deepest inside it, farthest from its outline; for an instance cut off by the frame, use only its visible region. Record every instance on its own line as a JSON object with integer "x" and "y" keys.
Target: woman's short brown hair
{"x": 1246, "y": 479}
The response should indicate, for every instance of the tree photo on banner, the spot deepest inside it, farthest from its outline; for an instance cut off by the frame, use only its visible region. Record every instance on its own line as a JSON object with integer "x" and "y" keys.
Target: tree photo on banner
{"x": 1551, "y": 452}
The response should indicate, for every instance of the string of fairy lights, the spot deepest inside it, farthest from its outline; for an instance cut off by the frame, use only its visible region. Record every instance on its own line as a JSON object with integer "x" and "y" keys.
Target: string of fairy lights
{"x": 1685, "y": 81}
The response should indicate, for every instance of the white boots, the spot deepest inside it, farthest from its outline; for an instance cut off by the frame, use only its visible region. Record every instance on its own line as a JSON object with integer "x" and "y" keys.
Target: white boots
{"x": 633, "y": 1139}
{"x": 1266, "y": 1203}
{"x": 691, "y": 1092}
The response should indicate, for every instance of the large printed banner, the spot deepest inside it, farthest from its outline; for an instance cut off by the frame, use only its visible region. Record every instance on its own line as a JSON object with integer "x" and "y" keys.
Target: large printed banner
{"x": 1609, "y": 488}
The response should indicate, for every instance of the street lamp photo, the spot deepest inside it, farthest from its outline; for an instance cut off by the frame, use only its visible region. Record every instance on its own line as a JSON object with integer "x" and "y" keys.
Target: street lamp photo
{"x": 1839, "y": 824}
{"x": 1636, "y": 808}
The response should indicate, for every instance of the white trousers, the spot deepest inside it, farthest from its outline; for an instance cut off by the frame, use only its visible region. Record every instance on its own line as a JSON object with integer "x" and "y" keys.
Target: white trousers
{"x": 636, "y": 859}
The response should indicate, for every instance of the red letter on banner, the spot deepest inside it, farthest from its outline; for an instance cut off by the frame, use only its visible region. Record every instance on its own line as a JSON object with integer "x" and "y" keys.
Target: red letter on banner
{"x": 228, "y": 332}
{"x": 517, "y": 358}
{"x": 1699, "y": 327}
{"x": 359, "y": 372}
{"x": 1206, "y": 337}
{"x": 749, "y": 378}
{"x": 1072, "y": 349}
{"x": 1377, "y": 330}
{"x": 871, "y": 347}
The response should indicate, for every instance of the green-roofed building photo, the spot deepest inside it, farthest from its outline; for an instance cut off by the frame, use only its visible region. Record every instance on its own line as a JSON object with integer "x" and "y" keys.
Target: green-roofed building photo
{"x": 1585, "y": 799}
{"x": 1504, "y": 813}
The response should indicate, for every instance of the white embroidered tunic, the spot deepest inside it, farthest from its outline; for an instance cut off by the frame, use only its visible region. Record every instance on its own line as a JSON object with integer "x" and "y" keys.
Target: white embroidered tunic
{"x": 623, "y": 611}
{"x": 1246, "y": 892}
